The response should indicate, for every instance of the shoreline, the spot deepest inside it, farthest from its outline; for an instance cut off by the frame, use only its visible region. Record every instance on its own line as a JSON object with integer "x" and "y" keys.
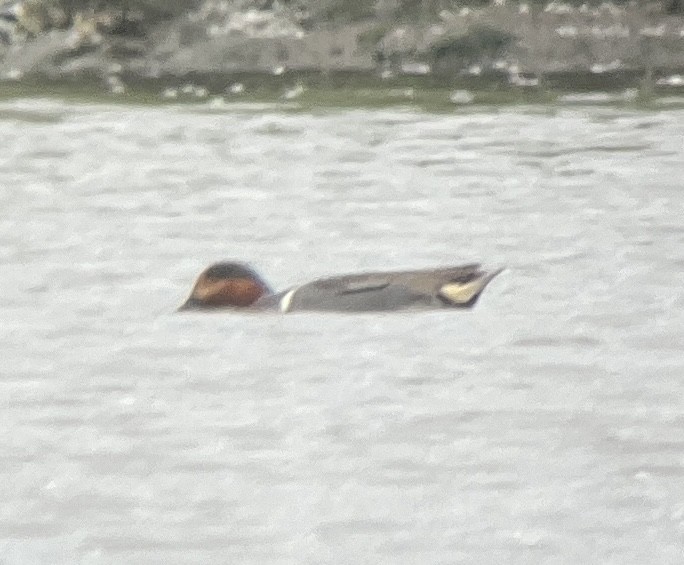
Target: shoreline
{"x": 505, "y": 47}
{"x": 308, "y": 91}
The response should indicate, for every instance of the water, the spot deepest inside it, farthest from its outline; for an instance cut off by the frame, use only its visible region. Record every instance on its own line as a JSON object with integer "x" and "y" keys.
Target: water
{"x": 545, "y": 426}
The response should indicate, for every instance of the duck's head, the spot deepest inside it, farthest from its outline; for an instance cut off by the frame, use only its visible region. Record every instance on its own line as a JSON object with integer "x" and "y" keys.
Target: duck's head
{"x": 226, "y": 285}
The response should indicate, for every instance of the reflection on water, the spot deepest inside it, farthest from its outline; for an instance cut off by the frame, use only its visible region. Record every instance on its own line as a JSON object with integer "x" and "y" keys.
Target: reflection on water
{"x": 544, "y": 426}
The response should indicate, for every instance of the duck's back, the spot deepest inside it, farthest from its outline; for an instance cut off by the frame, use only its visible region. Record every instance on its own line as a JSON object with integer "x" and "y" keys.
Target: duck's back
{"x": 381, "y": 291}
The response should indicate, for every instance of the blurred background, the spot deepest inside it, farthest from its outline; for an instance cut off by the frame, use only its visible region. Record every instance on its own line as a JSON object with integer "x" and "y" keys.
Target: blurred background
{"x": 229, "y": 48}
{"x": 144, "y": 140}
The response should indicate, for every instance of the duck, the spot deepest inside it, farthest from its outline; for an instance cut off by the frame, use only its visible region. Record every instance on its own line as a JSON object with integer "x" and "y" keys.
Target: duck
{"x": 232, "y": 285}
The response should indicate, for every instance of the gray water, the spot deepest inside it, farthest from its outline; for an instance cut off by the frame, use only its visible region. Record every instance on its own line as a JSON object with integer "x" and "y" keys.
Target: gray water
{"x": 545, "y": 426}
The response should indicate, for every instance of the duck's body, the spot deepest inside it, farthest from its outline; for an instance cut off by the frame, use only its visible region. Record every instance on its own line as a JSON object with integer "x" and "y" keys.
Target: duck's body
{"x": 237, "y": 286}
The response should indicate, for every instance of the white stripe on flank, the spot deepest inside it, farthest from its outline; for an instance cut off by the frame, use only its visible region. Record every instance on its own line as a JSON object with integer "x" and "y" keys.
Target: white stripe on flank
{"x": 286, "y": 300}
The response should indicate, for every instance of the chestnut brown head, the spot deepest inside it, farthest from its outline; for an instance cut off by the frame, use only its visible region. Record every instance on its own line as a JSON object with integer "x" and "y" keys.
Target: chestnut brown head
{"x": 226, "y": 285}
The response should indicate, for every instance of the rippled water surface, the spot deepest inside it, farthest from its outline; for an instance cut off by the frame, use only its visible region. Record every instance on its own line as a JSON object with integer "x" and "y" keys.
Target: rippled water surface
{"x": 545, "y": 426}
